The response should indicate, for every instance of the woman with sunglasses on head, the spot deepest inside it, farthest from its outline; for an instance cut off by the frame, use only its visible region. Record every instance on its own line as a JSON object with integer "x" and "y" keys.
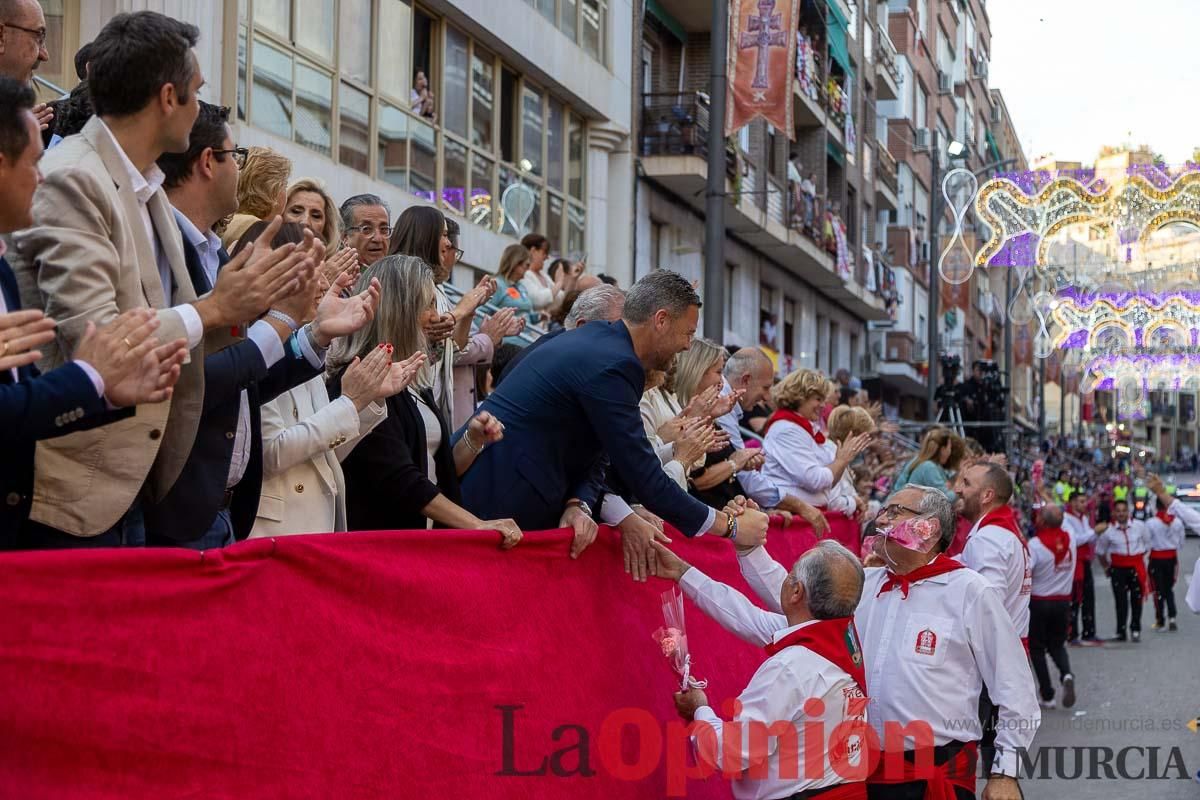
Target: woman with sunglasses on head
{"x": 405, "y": 473}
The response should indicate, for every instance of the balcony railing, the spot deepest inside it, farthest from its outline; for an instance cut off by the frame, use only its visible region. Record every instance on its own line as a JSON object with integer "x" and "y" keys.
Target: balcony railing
{"x": 885, "y": 54}
{"x": 885, "y": 167}
{"x": 675, "y": 124}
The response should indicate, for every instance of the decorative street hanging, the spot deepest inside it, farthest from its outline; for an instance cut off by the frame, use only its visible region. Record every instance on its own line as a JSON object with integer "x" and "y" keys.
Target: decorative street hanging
{"x": 762, "y": 52}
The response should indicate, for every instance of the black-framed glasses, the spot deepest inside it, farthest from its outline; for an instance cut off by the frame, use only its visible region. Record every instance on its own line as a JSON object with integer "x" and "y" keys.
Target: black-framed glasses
{"x": 38, "y": 34}
{"x": 892, "y": 510}
{"x": 239, "y": 155}
{"x": 369, "y": 230}
{"x": 458, "y": 254}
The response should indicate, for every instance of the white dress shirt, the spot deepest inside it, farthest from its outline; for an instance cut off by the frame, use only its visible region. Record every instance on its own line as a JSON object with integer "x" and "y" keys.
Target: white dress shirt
{"x": 1189, "y": 516}
{"x": 208, "y": 246}
{"x": 1130, "y": 539}
{"x": 1050, "y": 579}
{"x": 1164, "y": 536}
{"x": 758, "y": 486}
{"x": 797, "y": 465}
{"x": 144, "y": 186}
{"x": 540, "y": 289}
{"x": 1080, "y": 528}
{"x": 928, "y": 656}
{"x": 776, "y": 693}
{"x": 996, "y": 554}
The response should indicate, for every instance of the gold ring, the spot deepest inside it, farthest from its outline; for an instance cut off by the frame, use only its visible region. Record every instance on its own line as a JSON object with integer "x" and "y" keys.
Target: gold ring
{"x": 128, "y": 343}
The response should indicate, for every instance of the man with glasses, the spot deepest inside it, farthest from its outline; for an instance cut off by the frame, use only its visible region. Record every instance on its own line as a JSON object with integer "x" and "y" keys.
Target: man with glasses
{"x": 932, "y": 633}
{"x": 23, "y": 46}
{"x": 366, "y": 227}
{"x": 215, "y": 500}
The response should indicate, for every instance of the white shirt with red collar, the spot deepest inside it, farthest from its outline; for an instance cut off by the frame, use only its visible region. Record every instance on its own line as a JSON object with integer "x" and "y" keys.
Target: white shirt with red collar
{"x": 777, "y": 692}
{"x": 1164, "y": 536}
{"x": 1130, "y": 539}
{"x": 929, "y": 654}
{"x": 1053, "y": 581}
{"x": 1000, "y": 556}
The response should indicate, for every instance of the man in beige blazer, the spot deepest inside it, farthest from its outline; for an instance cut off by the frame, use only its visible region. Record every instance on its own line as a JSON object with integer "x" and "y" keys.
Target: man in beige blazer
{"x": 103, "y": 241}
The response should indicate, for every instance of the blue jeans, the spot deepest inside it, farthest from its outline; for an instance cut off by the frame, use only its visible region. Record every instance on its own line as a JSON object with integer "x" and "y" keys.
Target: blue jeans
{"x": 130, "y": 531}
{"x": 219, "y": 534}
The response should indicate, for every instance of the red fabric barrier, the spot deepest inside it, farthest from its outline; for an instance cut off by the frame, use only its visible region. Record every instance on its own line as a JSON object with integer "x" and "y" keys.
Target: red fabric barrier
{"x": 350, "y": 665}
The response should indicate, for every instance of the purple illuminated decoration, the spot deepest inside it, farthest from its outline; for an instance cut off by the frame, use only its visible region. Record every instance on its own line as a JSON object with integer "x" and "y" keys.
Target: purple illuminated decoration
{"x": 1018, "y": 251}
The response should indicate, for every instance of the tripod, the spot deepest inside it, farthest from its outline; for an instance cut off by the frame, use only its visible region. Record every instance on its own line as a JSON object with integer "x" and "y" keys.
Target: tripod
{"x": 948, "y": 407}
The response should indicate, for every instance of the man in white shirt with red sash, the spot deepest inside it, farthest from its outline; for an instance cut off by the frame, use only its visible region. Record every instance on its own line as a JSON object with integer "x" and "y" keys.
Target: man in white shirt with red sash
{"x": 1122, "y": 550}
{"x": 995, "y": 549}
{"x": 933, "y": 632}
{"x": 1052, "y": 552}
{"x": 1083, "y": 591}
{"x": 1166, "y": 537}
{"x": 813, "y": 674}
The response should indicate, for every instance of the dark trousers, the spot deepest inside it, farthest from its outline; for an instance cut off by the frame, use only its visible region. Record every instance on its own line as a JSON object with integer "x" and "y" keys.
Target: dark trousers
{"x": 1048, "y": 634}
{"x": 1084, "y": 600}
{"x": 989, "y": 715}
{"x": 1162, "y": 575}
{"x": 1127, "y": 592}
{"x": 915, "y": 790}
{"x": 130, "y": 531}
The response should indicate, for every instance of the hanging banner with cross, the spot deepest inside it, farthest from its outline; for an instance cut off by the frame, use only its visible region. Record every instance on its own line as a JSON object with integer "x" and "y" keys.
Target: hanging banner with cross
{"x": 761, "y": 63}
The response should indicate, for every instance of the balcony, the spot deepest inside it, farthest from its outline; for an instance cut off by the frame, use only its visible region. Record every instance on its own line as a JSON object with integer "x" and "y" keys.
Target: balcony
{"x": 886, "y": 183}
{"x": 674, "y": 142}
{"x": 888, "y": 85}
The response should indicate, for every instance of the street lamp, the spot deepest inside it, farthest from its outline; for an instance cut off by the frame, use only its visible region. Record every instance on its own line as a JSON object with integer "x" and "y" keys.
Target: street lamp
{"x": 955, "y": 149}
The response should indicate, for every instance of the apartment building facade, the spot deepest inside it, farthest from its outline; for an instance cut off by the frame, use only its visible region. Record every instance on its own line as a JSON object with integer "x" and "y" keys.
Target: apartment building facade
{"x": 784, "y": 288}
{"x": 530, "y": 126}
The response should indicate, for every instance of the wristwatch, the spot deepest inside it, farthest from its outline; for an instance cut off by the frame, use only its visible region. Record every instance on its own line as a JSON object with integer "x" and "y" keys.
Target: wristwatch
{"x": 584, "y": 507}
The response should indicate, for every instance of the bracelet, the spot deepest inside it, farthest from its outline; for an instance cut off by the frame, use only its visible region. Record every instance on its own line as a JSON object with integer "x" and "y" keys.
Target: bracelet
{"x": 293, "y": 326}
{"x": 731, "y": 526}
{"x": 733, "y": 466}
{"x": 471, "y": 445}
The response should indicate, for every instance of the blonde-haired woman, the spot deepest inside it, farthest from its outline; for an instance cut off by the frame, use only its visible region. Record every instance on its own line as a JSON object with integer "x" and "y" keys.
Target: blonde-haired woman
{"x": 261, "y": 191}
{"x": 310, "y": 205}
{"x": 801, "y": 461}
{"x": 510, "y": 293}
{"x": 404, "y": 474}
{"x": 697, "y": 370}
{"x": 938, "y": 459}
{"x": 845, "y": 422}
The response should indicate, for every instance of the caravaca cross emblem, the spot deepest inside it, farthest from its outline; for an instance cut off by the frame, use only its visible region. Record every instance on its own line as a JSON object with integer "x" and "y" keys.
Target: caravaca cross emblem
{"x": 763, "y": 32}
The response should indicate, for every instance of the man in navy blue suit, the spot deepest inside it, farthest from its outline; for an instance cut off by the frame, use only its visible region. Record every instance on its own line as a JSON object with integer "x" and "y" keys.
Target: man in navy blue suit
{"x": 119, "y": 365}
{"x": 215, "y": 500}
{"x": 575, "y": 398}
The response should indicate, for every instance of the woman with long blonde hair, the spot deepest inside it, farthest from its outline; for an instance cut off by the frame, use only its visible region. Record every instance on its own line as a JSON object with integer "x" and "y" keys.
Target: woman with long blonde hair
{"x": 935, "y": 463}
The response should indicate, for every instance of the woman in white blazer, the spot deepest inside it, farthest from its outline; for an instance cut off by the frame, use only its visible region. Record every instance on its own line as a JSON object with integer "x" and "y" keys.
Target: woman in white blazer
{"x": 305, "y": 436}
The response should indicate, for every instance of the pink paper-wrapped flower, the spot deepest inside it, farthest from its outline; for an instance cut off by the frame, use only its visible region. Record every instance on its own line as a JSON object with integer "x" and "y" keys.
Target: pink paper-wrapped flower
{"x": 670, "y": 642}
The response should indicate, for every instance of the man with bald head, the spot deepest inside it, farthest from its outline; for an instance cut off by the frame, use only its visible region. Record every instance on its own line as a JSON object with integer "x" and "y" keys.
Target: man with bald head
{"x": 812, "y": 655}
{"x": 23, "y": 46}
{"x": 1052, "y": 556}
{"x": 933, "y": 633}
{"x": 750, "y": 373}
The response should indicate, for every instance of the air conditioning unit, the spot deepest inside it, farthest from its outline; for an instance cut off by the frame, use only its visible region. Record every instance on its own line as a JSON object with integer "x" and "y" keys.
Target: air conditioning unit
{"x": 921, "y": 139}
{"x": 981, "y": 69}
{"x": 945, "y": 85}
{"x": 996, "y": 115}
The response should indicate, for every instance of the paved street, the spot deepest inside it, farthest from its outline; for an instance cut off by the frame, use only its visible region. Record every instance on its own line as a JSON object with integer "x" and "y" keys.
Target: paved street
{"x": 1130, "y": 695}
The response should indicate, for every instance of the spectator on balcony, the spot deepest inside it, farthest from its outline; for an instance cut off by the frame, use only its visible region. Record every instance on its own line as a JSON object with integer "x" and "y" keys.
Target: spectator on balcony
{"x": 795, "y": 171}
{"x": 262, "y": 192}
{"x": 808, "y": 196}
{"x": 366, "y": 227}
{"x": 310, "y": 205}
{"x": 514, "y": 263}
{"x": 801, "y": 460}
{"x": 421, "y": 97}
{"x": 404, "y": 474}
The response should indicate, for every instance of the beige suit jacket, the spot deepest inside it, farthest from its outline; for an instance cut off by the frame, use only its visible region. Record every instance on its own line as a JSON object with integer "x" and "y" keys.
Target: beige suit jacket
{"x": 87, "y": 258}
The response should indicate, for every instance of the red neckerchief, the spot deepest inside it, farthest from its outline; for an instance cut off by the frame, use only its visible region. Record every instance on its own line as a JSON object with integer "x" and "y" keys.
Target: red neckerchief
{"x": 1166, "y": 518}
{"x": 938, "y": 566}
{"x": 835, "y": 640}
{"x": 1003, "y": 517}
{"x": 1057, "y": 541}
{"x": 792, "y": 416}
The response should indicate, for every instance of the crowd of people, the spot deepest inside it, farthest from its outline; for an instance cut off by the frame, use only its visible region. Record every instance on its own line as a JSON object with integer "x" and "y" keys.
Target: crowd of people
{"x": 197, "y": 347}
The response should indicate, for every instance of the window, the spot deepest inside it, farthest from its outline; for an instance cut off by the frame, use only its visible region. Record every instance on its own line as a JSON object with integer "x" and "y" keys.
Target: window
{"x": 60, "y": 69}
{"x": 471, "y": 134}
{"x": 582, "y": 21}
{"x": 789, "y": 328}
{"x": 920, "y": 106}
{"x": 730, "y": 285}
{"x": 834, "y": 357}
{"x": 656, "y": 244}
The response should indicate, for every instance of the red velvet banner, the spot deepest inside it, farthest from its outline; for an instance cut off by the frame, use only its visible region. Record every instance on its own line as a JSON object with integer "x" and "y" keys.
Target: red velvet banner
{"x": 409, "y": 664}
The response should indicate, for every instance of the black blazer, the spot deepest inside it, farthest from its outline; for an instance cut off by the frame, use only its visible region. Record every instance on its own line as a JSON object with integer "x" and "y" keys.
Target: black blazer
{"x": 387, "y": 481}
{"x": 34, "y": 407}
{"x": 191, "y": 506}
